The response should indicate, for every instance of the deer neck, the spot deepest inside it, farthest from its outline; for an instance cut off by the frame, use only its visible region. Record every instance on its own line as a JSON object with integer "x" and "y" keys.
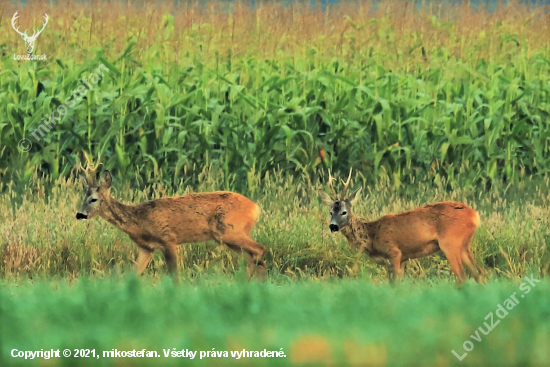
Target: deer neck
{"x": 357, "y": 232}
{"x": 120, "y": 215}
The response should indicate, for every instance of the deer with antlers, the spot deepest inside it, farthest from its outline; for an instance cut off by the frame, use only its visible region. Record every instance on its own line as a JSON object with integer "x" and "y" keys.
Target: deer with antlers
{"x": 29, "y": 40}
{"x": 162, "y": 224}
{"x": 447, "y": 226}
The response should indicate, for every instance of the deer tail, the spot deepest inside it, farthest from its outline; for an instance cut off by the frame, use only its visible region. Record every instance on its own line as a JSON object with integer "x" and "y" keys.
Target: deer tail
{"x": 476, "y": 219}
{"x": 256, "y": 212}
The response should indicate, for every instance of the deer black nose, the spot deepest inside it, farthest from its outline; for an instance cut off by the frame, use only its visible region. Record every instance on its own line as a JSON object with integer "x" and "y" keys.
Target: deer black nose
{"x": 333, "y": 228}
{"x": 81, "y": 216}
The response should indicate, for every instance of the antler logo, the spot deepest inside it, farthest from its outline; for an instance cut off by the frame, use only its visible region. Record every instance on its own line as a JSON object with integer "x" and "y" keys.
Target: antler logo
{"x": 29, "y": 40}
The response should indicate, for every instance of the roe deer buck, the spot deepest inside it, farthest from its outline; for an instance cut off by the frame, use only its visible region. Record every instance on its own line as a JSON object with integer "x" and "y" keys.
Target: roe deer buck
{"x": 447, "y": 226}
{"x": 164, "y": 223}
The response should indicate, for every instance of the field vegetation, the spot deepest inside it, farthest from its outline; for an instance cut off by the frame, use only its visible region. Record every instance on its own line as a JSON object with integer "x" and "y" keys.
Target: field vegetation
{"x": 426, "y": 103}
{"x": 432, "y": 92}
{"x": 69, "y": 284}
{"x": 42, "y": 237}
{"x": 332, "y": 323}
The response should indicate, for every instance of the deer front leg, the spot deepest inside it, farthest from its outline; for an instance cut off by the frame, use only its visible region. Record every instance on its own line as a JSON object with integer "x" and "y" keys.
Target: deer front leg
{"x": 393, "y": 253}
{"x": 145, "y": 252}
{"x": 144, "y": 256}
{"x": 395, "y": 261}
{"x": 364, "y": 247}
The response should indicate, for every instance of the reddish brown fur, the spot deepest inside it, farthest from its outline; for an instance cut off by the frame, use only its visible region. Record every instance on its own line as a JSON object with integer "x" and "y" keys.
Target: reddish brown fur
{"x": 164, "y": 223}
{"x": 447, "y": 226}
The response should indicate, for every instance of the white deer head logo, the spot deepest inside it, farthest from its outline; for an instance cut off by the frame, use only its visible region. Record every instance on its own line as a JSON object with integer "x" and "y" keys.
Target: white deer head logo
{"x": 29, "y": 40}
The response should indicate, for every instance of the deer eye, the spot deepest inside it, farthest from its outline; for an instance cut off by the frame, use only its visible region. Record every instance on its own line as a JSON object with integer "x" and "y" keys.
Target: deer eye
{"x": 344, "y": 213}
{"x": 93, "y": 200}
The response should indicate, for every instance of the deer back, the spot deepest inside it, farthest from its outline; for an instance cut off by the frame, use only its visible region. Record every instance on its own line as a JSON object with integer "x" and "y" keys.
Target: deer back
{"x": 431, "y": 223}
{"x": 192, "y": 217}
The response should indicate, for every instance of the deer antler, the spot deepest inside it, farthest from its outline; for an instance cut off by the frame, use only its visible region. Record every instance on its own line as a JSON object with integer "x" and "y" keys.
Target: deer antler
{"x": 90, "y": 168}
{"x": 15, "y": 17}
{"x": 34, "y": 34}
{"x": 346, "y": 184}
{"x": 330, "y": 179}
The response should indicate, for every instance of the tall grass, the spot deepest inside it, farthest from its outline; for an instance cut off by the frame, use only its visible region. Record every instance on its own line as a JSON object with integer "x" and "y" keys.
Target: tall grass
{"x": 41, "y": 237}
{"x": 427, "y": 93}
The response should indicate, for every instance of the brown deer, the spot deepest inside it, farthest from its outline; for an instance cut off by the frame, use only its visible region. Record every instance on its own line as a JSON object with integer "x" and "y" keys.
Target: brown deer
{"x": 447, "y": 226}
{"x": 162, "y": 224}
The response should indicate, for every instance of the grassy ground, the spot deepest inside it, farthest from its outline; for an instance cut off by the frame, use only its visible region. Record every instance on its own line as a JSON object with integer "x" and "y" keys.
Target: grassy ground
{"x": 41, "y": 236}
{"x": 323, "y": 323}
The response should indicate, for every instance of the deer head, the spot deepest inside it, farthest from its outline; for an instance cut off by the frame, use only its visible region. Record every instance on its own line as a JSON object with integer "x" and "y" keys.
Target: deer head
{"x": 340, "y": 206}
{"x": 96, "y": 193}
{"x": 29, "y": 40}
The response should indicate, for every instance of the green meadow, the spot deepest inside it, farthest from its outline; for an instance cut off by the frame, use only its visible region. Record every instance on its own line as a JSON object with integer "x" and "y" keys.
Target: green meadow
{"x": 426, "y": 104}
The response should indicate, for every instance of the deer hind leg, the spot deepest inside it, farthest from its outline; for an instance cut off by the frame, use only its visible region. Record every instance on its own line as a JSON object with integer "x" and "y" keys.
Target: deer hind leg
{"x": 144, "y": 256}
{"x": 171, "y": 257}
{"x": 473, "y": 261}
{"x": 453, "y": 254}
{"x": 254, "y": 252}
{"x": 251, "y": 267}
{"x": 469, "y": 260}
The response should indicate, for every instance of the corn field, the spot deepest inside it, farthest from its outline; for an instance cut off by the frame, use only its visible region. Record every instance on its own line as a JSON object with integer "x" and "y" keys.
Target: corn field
{"x": 438, "y": 92}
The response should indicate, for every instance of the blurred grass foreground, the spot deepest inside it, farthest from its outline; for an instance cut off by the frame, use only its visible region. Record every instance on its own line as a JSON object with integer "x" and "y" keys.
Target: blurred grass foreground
{"x": 342, "y": 323}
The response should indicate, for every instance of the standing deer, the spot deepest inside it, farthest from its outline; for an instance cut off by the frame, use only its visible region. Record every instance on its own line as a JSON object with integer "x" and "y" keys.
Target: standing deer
{"x": 29, "y": 40}
{"x": 164, "y": 223}
{"x": 447, "y": 226}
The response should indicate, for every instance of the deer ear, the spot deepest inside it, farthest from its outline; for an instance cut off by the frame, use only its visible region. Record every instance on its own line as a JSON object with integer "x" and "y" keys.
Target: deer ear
{"x": 354, "y": 196}
{"x": 106, "y": 180}
{"x": 325, "y": 198}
